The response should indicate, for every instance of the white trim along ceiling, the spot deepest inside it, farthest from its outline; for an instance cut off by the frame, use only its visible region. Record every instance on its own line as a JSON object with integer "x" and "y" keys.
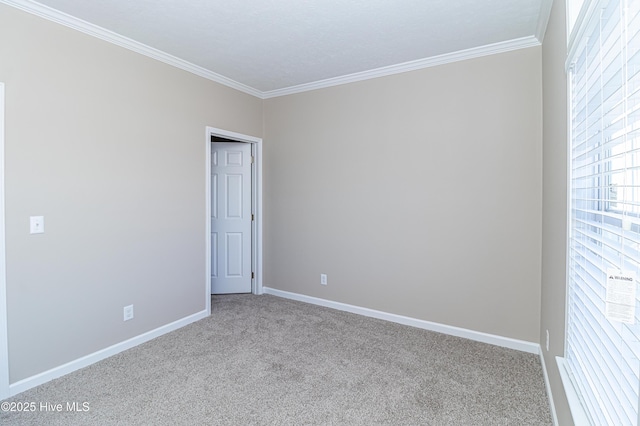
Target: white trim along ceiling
{"x": 541, "y": 11}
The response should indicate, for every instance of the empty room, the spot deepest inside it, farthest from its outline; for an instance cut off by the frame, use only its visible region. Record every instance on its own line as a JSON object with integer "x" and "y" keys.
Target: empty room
{"x": 319, "y": 212}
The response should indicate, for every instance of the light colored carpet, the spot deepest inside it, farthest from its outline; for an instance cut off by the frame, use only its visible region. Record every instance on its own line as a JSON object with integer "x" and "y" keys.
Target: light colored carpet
{"x": 263, "y": 360}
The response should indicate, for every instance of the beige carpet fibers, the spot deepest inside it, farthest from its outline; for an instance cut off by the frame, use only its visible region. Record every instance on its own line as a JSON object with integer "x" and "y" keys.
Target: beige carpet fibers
{"x": 263, "y": 360}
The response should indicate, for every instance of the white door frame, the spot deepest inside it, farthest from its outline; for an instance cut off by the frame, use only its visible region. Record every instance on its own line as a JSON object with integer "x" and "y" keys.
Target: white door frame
{"x": 4, "y": 332}
{"x": 256, "y": 202}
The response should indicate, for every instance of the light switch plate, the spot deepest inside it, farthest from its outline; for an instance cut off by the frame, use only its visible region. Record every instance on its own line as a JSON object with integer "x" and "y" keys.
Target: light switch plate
{"x": 36, "y": 224}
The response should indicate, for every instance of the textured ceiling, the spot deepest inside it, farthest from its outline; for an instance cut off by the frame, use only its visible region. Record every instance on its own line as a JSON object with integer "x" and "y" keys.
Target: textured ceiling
{"x": 275, "y": 44}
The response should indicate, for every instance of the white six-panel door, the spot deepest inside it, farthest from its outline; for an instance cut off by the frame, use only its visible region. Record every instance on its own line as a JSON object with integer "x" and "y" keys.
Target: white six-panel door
{"x": 230, "y": 217}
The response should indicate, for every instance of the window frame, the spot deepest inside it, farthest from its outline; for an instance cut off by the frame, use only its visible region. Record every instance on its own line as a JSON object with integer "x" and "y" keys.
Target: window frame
{"x": 585, "y": 23}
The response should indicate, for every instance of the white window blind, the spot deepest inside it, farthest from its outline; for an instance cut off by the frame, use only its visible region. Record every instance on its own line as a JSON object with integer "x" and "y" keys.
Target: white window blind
{"x": 604, "y": 233}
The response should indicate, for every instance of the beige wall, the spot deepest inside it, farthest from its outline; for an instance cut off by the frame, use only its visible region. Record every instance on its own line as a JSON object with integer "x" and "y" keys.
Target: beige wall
{"x": 109, "y": 146}
{"x": 419, "y": 194}
{"x": 554, "y": 216}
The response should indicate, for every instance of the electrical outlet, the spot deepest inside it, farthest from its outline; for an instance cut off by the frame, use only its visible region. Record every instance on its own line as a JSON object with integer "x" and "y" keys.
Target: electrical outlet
{"x": 547, "y": 340}
{"x": 128, "y": 312}
{"x": 36, "y": 224}
{"x": 323, "y": 279}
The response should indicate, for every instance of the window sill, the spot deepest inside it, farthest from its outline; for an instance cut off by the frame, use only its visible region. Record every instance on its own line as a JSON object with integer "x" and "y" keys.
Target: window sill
{"x": 577, "y": 410}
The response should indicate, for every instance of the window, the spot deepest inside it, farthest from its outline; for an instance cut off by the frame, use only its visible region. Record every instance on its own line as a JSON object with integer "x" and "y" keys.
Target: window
{"x": 603, "y": 354}
{"x": 573, "y": 9}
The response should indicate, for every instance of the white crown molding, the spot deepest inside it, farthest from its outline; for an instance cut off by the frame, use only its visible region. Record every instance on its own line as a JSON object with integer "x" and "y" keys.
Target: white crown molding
{"x": 62, "y": 18}
{"x": 119, "y": 40}
{"x": 462, "y": 55}
{"x": 543, "y": 19}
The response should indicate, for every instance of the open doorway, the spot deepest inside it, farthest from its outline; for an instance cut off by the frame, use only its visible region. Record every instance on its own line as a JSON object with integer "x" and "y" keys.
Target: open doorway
{"x": 235, "y": 266}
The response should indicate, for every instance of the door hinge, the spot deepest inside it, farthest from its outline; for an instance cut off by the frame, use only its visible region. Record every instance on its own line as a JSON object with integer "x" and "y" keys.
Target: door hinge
{"x": 253, "y": 275}
{"x": 252, "y": 217}
{"x": 253, "y": 159}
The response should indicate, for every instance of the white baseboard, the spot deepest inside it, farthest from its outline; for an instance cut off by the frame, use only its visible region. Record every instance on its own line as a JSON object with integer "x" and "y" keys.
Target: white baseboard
{"x": 478, "y": 336}
{"x": 547, "y": 384}
{"x": 54, "y": 373}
